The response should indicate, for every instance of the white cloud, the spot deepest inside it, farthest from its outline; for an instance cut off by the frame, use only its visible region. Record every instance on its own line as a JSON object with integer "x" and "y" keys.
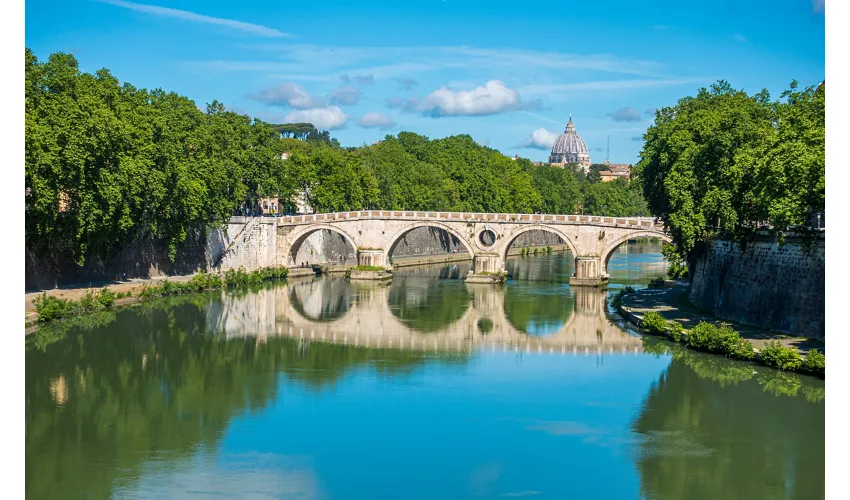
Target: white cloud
{"x": 326, "y": 118}
{"x": 345, "y": 95}
{"x": 405, "y": 62}
{"x": 254, "y": 29}
{"x": 540, "y": 139}
{"x": 405, "y": 104}
{"x": 554, "y": 91}
{"x": 494, "y": 97}
{"x": 287, "y": 94}
{"x": 625, "y": 115}
{"x": 376, "y": 120}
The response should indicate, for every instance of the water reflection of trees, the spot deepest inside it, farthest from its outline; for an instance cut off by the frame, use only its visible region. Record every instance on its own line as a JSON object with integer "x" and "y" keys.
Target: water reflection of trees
{"x": 428, "y": 306}
{"x": 555, "y": 268}
{"x": 322, "y": 300}
{"x": 538, "y": 311}
{"x": 760, "y": 436}
{"x": 156, "y": 383}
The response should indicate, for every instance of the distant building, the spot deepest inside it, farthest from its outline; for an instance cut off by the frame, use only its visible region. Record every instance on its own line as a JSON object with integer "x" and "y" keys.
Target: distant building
{"x": 615, "y": 171}
{"x": 569, "y": 147}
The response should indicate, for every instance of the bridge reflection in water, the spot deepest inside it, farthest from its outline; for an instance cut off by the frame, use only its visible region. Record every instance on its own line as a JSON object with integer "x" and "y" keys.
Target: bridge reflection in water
{"x": 466, "y": 317}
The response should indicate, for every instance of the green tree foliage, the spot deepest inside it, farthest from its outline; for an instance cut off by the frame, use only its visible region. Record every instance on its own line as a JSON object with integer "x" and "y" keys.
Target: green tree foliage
{"x": 617, "y": 198}
{"x": 105, "y": 161}
{"x": 305, "y": 132}
{"x": 720, "y": 162}
{"x": 560, "y": 191}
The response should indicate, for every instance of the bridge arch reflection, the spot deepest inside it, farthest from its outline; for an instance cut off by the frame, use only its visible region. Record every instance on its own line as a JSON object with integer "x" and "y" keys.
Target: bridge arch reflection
{"x": 361, "y": 315}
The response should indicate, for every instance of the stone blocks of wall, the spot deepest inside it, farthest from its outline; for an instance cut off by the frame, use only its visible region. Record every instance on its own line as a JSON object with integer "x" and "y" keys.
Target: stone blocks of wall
{"x": 253, "y": 247}
{"x": 773, "y": 286}
{"x": 143, "y": 257}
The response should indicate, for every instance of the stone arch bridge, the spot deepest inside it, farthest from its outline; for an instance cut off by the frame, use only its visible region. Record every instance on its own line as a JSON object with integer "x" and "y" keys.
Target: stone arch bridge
{"x": 373, "y": 234}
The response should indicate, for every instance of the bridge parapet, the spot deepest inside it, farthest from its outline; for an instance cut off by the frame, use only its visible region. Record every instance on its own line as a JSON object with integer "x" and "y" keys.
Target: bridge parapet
{"x": 413, "y": 215}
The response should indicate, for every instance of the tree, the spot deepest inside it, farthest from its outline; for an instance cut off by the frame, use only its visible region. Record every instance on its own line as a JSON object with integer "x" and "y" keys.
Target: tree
{"x": 718, "y": 163}
{"x": 560, "y": 192}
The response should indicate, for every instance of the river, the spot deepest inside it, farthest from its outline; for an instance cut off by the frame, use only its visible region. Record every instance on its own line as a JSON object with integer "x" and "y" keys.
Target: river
{"x": 425, "y": 388}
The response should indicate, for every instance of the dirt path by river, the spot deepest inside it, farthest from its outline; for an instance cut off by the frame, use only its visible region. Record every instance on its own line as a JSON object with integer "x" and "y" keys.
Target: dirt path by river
{"x": 672, "y": 303}
{"x": 75, "y": 292}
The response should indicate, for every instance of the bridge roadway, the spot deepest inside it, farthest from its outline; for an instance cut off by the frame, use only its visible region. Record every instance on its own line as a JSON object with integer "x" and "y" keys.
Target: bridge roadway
{"x": 373, "y": 234}
{"x": 361, "y": 315}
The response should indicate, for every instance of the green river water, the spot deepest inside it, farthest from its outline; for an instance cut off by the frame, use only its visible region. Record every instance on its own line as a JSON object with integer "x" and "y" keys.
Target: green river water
{"x": 424, "y": 388}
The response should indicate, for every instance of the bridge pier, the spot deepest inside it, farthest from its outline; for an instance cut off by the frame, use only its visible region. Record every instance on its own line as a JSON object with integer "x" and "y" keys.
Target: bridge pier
{"x": 588, "y": 272}
{"x": 484, "y": 265}
{"x": 371, "y": 257}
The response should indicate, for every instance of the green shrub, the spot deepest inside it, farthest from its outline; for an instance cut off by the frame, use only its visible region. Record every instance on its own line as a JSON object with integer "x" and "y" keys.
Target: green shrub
{"x": 654, "y": 323}
{"x": 548, "y": 249}
{"x": 815, "y": 361}
{"x": 721, "y": 340}
{"x": 106, "y": 297}
{"x": 778, "y": 356}
{"x": 50, "y": 308}
{"x": 535, "y": 250}
{"x": 617, "y": 300}
{"x": 674, "y": 328}
{"x": 657, "y": 282}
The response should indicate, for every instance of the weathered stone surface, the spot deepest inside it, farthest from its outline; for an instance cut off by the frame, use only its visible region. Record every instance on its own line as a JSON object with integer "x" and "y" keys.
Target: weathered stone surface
{"x": 144, "y": 257}
{"x": 773, "y": 286}
{"x": 370, "y": 276}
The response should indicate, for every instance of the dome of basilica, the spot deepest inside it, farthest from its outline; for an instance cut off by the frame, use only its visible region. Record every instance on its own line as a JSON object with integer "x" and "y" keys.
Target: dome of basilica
{"x": 569, "y": 147}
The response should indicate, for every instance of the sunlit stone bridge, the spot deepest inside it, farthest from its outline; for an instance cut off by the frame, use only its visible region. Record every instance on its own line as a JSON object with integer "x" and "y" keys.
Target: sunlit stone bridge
{"x": 257, "y": 241}
{"x": 362, "y": 315}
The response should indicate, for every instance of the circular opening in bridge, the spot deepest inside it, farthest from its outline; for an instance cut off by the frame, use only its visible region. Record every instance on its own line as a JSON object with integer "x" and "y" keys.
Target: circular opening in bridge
{"x": 485, "y": 325}
{"x": 487, "y": 237}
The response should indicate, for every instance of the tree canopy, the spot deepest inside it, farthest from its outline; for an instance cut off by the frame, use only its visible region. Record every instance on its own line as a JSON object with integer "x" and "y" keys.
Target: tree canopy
{"x": 105, "y": 161}
{"x": 722, "y": 162}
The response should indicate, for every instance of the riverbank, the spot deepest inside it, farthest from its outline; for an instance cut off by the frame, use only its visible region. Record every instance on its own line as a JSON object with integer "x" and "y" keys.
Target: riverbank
{"x": 670, "y": 302}
{"x": 69, "y": 302}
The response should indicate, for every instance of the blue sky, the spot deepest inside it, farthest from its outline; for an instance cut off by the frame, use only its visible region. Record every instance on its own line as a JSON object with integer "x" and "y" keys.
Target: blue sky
{"x": 506, "y": 73}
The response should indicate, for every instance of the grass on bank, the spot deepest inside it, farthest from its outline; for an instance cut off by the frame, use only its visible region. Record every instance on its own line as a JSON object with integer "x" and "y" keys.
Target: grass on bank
{"x": 368, "y": 268}
{"x": 50, "y": 308}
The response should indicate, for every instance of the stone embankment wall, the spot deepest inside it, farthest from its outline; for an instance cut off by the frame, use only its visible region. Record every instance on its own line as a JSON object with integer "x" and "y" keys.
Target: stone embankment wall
{"x": 773, "y": 286}
{"x": 144, "y": 257}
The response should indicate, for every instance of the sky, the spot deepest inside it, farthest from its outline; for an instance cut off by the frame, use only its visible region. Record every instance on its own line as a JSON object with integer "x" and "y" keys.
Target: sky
{"x": 509, "y": 74}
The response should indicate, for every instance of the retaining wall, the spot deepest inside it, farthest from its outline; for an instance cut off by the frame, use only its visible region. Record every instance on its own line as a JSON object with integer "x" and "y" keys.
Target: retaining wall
{"x": 773, "y": 286}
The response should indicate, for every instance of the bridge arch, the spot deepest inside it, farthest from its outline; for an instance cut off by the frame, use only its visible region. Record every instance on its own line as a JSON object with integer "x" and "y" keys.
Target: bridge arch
{"x": 508, "y": 241}
{"x": 609, "y": 250}
{"x": 398, "y": 235}
{"x": 298, "y": 237}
